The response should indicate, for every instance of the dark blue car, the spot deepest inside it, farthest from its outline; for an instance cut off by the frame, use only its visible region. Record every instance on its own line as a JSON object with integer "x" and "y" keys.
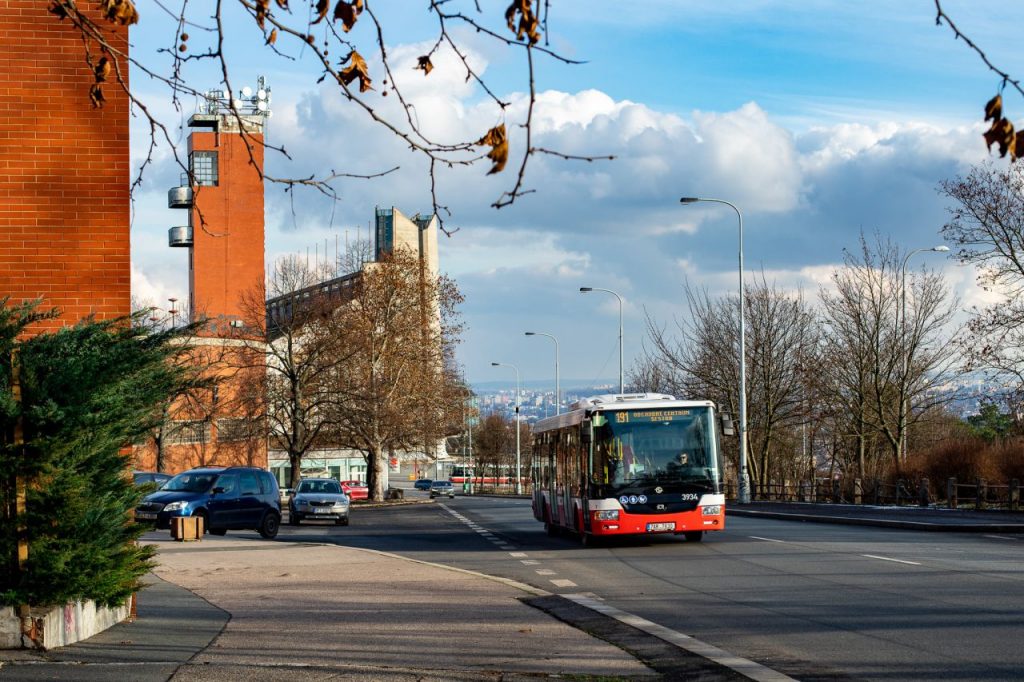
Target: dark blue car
{"x": 235, "y": 498}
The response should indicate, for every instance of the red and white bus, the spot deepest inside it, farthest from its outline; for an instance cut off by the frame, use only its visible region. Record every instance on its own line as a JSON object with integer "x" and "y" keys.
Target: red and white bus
{"x": 636, "y": 464}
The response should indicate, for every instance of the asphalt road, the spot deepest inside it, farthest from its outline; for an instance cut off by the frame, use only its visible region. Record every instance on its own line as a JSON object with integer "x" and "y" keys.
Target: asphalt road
{"x": 809, "y": 600}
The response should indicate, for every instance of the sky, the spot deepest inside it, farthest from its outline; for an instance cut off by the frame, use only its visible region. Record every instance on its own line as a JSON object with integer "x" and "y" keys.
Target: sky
{"x": 820, "y": 120}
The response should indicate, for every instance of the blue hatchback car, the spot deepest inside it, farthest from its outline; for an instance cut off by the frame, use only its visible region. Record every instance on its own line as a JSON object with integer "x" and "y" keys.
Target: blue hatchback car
{"x": 233, "y": 498}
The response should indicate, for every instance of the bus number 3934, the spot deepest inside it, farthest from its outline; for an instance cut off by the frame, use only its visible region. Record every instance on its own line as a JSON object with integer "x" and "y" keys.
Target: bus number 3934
{"x": 630, "y": 465}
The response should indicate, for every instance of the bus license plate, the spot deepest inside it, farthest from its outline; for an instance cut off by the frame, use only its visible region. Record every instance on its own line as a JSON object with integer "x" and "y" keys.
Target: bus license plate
{"x": 660, "y": 527}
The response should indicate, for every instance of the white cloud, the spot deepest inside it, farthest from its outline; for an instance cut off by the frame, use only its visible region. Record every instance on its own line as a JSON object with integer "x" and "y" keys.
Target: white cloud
{"x": 751, "y": 156}
{"x": 616, "y": 224}
{"x": 495, "y": 251}
{"x": 145, "y": 291}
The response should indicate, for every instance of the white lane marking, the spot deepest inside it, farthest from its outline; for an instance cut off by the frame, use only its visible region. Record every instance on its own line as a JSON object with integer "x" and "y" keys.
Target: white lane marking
{"x": 506, "y": 547}
{"x": 755, "y": 537}
{"x": 562, "y": 582}
{"x": 1000, "y": 537}
{"x": 885, "y": 558}
{"x": 529, "y": 562}
{"x": 517, "y": 554}
{"x": 750, "y": 669}
{"x": 546, "y": 571}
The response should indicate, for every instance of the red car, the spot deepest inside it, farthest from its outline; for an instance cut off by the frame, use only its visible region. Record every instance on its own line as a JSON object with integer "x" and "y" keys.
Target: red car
{"x": 356, "y": 490}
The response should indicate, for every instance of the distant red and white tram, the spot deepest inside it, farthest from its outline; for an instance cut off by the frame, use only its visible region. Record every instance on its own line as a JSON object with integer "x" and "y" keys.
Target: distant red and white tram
{"x": 637, "y": 464}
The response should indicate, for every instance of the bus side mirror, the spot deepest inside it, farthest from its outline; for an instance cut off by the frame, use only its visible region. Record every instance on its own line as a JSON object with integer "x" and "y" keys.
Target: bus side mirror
{"x": 587, "y": 432}
{"x": 727, "y": 425}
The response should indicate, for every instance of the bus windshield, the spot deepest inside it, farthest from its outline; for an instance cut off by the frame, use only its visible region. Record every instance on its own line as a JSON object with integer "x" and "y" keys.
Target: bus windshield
{"x": 652, "y": 447}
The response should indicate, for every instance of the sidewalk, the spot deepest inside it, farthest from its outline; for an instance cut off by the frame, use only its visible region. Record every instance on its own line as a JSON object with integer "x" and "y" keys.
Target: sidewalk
{"x": 907, "y": 518}
{"x": 240, "y": 608}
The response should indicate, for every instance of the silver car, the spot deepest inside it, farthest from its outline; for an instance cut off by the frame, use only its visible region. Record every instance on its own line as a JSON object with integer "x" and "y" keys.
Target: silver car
{"x": 318, "y": 499}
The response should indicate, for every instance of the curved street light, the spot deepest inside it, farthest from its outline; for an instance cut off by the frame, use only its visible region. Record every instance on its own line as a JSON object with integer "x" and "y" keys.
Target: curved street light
{"x": 558, "y": 392}
{"x": 584, "y": 290}
{"x": 744, "y": 482}
{"x": 519, "y": 478}
{"x": 905, "y": 406}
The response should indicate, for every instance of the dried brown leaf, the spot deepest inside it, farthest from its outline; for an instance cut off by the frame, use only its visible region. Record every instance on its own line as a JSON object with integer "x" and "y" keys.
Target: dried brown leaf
{"x": 120, "y": 12}
{"x": 102, "y": 70}
{"x": 56, "y": 7}
{"x": 423, "y": 64}
{"x": 994, "y": 108}
{"x": 348, "y": 12}
{"x": 1000, "y": 133}
{"x": 262, "y": 9}
{"x": 272, "y": 38}
{"x": 356, "y": 69}
{"x": 497, "y": 140}
{"x": 96, "y": 96}
{"x": 528, "y": 24}
{"x": 1017, "y": 150}
{"x": 283, "y": 4}
{"x": 321, "y": 10}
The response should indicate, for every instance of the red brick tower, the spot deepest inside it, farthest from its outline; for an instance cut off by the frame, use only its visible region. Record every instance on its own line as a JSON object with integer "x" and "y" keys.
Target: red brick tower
{"x": 64, "y": 170}
{"x": 225, "y": 231}
{"x": 224, "y": 236}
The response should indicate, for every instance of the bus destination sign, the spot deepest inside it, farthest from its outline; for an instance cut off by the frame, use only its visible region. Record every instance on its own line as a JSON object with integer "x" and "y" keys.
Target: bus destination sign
{"x": 626, "y": 416}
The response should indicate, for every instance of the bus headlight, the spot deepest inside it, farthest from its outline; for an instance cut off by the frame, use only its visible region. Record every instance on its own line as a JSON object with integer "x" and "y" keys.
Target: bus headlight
{"x": 609, "y": 515}
{"x": 711, "y": 510}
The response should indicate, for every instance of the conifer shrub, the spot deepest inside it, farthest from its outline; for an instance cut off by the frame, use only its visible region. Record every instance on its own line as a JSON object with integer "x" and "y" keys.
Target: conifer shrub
{"x": 87, "y": 392}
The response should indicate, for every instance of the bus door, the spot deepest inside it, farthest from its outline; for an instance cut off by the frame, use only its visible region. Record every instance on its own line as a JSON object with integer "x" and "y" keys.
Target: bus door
{"x": 586, "y": 469}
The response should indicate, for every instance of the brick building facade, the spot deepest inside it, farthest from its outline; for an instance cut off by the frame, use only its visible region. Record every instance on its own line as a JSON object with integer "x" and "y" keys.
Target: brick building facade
{"x": 64, "y": 170}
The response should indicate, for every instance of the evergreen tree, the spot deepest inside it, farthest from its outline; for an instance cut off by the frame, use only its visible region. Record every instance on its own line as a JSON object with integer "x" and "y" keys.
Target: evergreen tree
{"x": 87, "y": 392}
{"x": 990, "y": 423}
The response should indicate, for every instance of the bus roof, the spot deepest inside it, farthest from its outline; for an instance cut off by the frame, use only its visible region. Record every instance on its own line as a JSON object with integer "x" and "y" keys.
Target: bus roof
{"x": 614, "y": 402}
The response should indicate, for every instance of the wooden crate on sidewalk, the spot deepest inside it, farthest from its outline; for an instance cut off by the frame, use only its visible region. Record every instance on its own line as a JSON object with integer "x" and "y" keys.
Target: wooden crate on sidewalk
{"x": 187, "y": 528}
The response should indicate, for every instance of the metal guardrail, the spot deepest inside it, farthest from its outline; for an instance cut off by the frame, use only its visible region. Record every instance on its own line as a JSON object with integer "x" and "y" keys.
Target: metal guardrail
{"x": 979, "y": 494}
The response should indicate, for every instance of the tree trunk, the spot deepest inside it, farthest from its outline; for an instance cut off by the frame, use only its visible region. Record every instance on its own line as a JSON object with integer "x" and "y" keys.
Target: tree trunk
{"x": 295, "y": 460}
{"x": 377, "y": 475}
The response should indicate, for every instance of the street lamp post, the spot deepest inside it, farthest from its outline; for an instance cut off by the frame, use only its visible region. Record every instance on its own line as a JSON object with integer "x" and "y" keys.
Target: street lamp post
{"x": 471, "y": 472}
{"x": 744, "y": 482}
{"x": 173, "y": 312}
{"x": 585, "y": 290}
{"x": 558, "y": 392}
{"x": 905, "y": 406}
{"x": 519, "y": 478}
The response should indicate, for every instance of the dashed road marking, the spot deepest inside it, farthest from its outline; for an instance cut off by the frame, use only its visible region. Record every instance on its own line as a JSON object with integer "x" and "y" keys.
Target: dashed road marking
{"x": 750, "y": 669}
{"x": 562, "y": 582}
{"x": 546, "y": 571}
{"x": 755, "y": 537}
{"x": 517, "y": 554}
{"x": 1000, "y": 537}
{"x": 885, "y": 558}
{"x": 529, "y": 562}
